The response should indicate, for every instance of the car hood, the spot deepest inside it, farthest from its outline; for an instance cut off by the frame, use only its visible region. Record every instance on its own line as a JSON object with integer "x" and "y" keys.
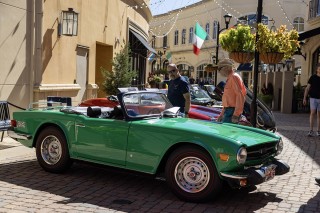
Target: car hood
{"x": 237, "y": 133}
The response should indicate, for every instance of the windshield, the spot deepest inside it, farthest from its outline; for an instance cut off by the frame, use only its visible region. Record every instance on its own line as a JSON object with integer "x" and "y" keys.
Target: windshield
{"x": 197, "y": 92}
{"x": 210, "y": 88}
{"x": 146, "y": 103}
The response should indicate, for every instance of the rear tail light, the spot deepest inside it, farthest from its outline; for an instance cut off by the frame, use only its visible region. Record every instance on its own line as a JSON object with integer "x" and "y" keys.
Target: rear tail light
{"x": 13, "y": 123}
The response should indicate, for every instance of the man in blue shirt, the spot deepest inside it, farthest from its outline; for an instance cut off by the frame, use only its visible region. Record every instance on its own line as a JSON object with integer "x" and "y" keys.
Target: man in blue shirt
{"x": 178, "y": 91}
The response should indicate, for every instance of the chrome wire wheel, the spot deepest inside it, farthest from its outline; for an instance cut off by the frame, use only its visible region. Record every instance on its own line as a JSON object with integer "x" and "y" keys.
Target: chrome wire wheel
{"x": 192, "y": 175}
{"x": 51, "y": 150}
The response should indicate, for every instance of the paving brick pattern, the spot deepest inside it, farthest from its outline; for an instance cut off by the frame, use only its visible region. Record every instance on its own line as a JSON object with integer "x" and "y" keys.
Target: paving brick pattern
{"x": 25, "y": 187}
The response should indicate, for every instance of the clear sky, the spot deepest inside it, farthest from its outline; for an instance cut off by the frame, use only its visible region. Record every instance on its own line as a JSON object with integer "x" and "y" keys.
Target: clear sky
{"x": 163, "y": 6}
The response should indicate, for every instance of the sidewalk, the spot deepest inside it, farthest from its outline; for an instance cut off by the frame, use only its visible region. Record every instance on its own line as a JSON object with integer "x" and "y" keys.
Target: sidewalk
{"x": 25, "y": 187}
{"x": 9, "y": 148}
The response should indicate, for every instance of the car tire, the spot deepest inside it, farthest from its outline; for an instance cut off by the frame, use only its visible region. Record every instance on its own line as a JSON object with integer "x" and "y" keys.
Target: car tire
{"x": 52, "y": 150}
{"x": 192, "y": 175}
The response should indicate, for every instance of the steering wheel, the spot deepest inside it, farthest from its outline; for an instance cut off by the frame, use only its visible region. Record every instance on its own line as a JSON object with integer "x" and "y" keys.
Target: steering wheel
{"x": 154, "y": 111}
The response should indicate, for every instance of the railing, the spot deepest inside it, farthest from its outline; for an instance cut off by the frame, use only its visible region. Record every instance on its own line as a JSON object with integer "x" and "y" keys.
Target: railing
{"x": 314, "y": 10}
{"x": 5, "y": 122}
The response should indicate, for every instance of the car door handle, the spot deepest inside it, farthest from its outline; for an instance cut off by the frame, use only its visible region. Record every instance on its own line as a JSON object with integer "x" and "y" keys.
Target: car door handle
{"x": 80, "y": 125}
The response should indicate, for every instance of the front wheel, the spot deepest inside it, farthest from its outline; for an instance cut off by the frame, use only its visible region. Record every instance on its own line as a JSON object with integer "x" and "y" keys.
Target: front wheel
{"x": 192, "y": 175}
{"x": 52, "y": 150}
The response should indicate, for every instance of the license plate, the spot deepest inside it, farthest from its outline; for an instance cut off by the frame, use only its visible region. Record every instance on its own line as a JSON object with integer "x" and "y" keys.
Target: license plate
{"x": 269, "y": 172}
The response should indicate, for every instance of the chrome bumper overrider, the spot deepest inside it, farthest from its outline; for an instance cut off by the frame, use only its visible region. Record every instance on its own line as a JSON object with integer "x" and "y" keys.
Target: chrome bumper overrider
{"x": 255, "y": 176}
{"x": 15, "y": 135}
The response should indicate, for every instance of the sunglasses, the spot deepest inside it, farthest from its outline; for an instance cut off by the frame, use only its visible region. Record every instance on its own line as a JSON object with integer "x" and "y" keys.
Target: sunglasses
{"x": 171, "y": 71}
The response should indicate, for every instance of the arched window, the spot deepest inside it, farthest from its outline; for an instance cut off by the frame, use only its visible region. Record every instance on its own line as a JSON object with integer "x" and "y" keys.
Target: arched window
{"x": 154, "y": 66}
{"x": 184, "y": 69}
{"x": 208, "y": 77}
{"x": 207, "y": 30}
{"x": 215, "y": 30}
{"x": 176, "y": 37}
{"x": 183, "y": 36}
{"x": 191, "y": 35}
{"x": 165, "y": 64}
{"x": 298, "y": 24}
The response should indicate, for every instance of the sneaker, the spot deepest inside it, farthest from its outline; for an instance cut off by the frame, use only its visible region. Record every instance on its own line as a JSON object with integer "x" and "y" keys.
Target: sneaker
{"x": 310, "y": 133}
{"x": 318, "y": 133}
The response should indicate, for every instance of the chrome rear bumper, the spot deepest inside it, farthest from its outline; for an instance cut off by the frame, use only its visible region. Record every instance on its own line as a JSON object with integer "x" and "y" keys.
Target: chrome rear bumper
{"x": 15, "y": 135}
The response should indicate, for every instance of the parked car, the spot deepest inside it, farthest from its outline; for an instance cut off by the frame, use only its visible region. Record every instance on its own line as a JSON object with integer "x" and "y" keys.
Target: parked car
{"x": 196, "y": 111}
{"x": 146, "y": 134}
{"x": 200, "y": 97}
{"x": 265, "y": 117}
{"x": 212, "y": 92}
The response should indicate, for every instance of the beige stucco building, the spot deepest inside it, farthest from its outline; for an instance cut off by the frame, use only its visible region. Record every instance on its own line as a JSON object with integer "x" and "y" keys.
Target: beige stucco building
{"x": 310, "y": 46}
{"x": 174, "y": 31}
{"x": 42, "y": 54}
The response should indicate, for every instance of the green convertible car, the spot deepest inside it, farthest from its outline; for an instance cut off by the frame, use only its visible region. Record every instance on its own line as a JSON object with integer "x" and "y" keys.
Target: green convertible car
{"x": 146, "y": 134}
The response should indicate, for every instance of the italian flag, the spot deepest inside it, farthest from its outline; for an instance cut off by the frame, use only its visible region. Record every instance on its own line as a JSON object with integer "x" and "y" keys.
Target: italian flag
{"x": 169, "y": 57}
{"x": 198, "y": 38}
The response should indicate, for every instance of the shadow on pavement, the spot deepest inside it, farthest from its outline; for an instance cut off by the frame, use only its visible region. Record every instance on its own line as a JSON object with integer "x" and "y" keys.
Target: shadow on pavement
{"x": 94, "y": 187}
{"x": 311, "y": 205}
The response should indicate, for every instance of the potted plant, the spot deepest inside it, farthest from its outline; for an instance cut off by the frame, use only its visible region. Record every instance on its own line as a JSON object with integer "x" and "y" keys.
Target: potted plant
{"x": 267, "y": 94}
{"x": 154, "y": 80}
{"x": 239, "y": 42}
{"x": 273, "y": 46}
{"x": 210, "y": 67}
{"x": 121, "y": 74}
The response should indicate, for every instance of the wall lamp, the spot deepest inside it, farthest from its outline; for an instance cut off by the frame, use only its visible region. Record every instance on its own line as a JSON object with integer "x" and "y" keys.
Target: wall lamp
{"x": 69, "y": 23}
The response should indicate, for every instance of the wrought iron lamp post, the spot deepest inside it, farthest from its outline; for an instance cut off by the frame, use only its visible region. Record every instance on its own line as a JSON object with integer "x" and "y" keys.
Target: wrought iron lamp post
{"x": 160, "y": 53}
{"x": 227, "y": 19}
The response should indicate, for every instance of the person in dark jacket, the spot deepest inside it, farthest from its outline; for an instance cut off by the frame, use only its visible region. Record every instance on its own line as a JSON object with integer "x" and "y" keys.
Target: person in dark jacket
{"x": 178, "y": 91}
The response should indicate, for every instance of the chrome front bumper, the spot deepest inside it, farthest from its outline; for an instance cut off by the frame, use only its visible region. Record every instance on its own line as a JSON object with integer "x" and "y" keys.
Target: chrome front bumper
{"x": 255, "y": 176}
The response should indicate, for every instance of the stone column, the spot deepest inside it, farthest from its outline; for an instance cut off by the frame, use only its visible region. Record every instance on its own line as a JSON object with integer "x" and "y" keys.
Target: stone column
{"x": 261, "y": 81}
{"x": 287, "y": 88}
{"x": 269, "y": 79}
{"x": 277, "y": 83}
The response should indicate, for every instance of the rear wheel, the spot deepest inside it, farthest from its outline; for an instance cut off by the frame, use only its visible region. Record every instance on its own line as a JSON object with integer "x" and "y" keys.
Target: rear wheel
{"x": 52, "y": 150}
{"x": 192, "y": 175}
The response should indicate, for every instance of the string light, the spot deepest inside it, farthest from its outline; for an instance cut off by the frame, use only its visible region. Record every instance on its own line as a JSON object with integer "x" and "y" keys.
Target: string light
{"x": 284, "y": 12}
{"x": 162, "y": 25}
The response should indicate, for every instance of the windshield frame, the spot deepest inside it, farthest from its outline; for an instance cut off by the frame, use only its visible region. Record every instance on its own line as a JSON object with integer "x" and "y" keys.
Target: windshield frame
{"x": 138, "y": 104}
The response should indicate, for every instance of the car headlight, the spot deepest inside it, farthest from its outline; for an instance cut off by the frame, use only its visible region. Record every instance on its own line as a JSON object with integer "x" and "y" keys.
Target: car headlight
{"x": 279, "y": 147}
{"x": 242, "y": 155}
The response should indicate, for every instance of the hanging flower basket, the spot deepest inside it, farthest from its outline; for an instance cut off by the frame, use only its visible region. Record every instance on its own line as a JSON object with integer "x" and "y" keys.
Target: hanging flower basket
{"x": 242, "y": 57}
{"x": 210, "y": 68}
{"x": 271, "y": 57}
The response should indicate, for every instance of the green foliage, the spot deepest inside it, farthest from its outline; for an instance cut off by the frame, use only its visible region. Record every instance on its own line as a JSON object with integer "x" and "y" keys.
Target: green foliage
{"x": 267, "y": 99}
{"x": 121, "y": 75}
{"x": 239, "y": 39}
{"x": 155, "y": 79}
{"x": 281, "y": 41}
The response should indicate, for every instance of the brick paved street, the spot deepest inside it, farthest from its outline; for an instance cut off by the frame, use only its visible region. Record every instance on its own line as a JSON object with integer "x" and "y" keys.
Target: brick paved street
{"x": 25, "y": 187}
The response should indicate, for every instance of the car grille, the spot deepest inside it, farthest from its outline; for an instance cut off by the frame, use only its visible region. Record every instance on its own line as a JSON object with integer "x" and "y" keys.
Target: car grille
{"x": 260, "y": 151}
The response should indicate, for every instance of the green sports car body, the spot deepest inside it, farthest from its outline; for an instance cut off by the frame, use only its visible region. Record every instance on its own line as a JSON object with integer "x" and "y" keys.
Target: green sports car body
{"x": 148, "y": 135}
